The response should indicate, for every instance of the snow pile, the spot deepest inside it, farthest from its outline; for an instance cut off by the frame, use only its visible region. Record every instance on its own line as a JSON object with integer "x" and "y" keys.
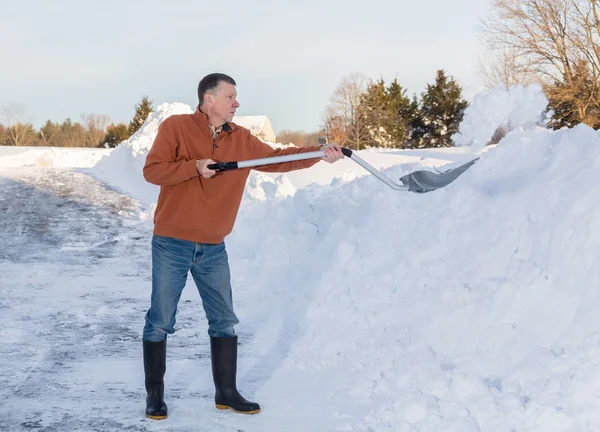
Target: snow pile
{"x": 516, "y": 107}
{"x": 50, "y": 157}
{"x": 122, "y": 168}
{"x": 474, "y": 308}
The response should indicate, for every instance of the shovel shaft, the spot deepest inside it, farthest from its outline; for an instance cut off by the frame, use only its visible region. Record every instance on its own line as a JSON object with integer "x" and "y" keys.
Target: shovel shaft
{"x": 226, "y": 166}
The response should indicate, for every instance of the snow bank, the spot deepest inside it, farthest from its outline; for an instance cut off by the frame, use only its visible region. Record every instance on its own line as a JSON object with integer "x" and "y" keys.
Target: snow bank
{"x": 472, "y": 308}
{"x": 122, "y": 168}
{"x": 48, "y": 157}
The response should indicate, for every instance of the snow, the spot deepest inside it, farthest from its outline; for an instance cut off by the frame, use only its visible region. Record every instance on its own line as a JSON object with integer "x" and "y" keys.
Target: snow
{"x": 518, "y": 107}
{"x": 47, "y": 157}
{"x": 123, "y": 166}
{"x": 472, "y": 308}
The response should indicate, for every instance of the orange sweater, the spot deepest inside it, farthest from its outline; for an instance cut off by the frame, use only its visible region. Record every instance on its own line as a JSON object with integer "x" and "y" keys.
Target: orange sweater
{"x": 191, "y": 207}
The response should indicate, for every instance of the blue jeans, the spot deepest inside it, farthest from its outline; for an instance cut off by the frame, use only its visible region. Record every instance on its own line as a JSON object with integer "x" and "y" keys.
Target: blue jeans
{"x": 172, "y": 259}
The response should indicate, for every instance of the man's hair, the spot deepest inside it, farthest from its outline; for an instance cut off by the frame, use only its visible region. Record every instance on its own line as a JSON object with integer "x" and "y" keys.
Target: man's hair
{"x": 211, "y": 82}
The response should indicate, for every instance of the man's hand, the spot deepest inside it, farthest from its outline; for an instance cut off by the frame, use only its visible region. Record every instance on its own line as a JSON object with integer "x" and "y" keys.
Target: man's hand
{"x": 201, "y": 167}
{"x": 333, "y": 152}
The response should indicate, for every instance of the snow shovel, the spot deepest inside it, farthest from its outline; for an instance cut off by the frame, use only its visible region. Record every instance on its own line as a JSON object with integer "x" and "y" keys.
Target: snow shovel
{"x": 418, "y": 181}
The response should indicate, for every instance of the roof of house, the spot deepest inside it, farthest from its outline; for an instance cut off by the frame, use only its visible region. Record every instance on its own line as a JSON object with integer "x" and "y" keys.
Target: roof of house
{"x": 255, "y": 123}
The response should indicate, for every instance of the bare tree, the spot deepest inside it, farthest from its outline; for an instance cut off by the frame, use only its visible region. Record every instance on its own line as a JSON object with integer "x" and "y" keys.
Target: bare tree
{"x": 502, "y": 68}
{"x": 298, "y": 138}
{"x": 19, "y": 131}
{"x": 344, "y": 117}
{"x": 552, "y": 39}
{"x": 335, "y": 127}
{"x": 95, "y": 128}
{"x": 2, "y": 135}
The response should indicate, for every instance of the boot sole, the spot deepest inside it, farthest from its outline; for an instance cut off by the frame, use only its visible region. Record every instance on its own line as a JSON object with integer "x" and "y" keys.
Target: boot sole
{"x": 156, "y": 417}
{"x": 226, "y": 407}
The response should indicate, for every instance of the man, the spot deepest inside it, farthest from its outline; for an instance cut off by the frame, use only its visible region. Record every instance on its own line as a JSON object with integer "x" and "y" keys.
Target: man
{"x": 196, "y": 210}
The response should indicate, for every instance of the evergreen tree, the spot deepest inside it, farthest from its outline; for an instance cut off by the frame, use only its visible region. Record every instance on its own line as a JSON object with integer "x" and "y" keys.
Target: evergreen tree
{"x": 416, "y": 125}
{"x": 49, "y": 133}
{"x": 377, "y": 115}
{"x": 442, "y": 109}
{"x": 387, "y": 111}
{"x": 402, "y": 113}
{"x": 115, "y": 134}
{"x": 142, "y": 111}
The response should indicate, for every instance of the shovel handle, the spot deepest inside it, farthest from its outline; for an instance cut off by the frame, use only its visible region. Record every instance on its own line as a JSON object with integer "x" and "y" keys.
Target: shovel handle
{"x": 227, "y": 166}
{"x": 223, "y": 166}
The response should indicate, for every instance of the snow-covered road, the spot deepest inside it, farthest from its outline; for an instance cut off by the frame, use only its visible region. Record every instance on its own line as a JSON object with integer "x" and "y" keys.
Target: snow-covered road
{"x": 74, "y": 288}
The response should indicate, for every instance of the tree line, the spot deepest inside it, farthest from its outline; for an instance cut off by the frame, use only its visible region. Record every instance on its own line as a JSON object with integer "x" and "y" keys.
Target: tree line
{"x": 367, "y": 113}
{"x": 94, "y": 130}
{"x": 555, "y": 43}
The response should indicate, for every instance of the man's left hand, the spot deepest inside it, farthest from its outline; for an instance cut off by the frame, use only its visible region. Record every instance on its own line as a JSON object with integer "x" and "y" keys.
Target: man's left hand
{"x": 333, "y": 152}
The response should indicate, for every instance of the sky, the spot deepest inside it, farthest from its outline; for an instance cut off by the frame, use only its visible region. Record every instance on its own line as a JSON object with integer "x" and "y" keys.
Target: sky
{"x": 67, "y": 58}
{"x": 473, "y": 308}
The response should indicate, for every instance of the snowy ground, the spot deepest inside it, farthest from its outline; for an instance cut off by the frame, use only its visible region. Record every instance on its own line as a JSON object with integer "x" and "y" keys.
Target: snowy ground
{"x": 473, "y": 308}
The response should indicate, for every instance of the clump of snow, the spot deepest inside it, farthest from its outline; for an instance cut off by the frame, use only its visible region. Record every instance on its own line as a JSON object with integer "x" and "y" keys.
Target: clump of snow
{"x": 262, "y": 186}
{"x": 516, "y": 107}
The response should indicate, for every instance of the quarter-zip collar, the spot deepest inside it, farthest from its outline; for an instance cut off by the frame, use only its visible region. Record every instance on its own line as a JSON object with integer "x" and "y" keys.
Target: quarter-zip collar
{"x": 202, "y": 119}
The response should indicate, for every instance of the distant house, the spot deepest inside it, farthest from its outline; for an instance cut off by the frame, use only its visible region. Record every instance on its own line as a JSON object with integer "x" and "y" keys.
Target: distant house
{"x": 260, "y": 126}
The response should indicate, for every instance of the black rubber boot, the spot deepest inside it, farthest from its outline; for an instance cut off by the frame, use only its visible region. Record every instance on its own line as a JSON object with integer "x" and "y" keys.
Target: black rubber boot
{"x": 224, "y": 367}
{"x": 155, "y": 360}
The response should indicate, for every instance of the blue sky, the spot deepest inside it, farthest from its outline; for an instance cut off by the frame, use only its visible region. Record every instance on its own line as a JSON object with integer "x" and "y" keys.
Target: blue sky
{"x": 65, "y": 58}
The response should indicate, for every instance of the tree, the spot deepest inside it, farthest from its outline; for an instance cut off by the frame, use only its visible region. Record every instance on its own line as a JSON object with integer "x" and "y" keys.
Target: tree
{"x": 335, "y": 127}
{"x": 403, "y": 112}
{"x": 95, "y": 129}
{"x": 18, "y": 131}
{"x": 552, "y": 39}
{"x": 71, "y": 134}
{"x": 564, "y": 98}
{"x": 20, "y": 134}
{"x": 442, "y": 109}
{"x": 502, "y": 68}
{"x": 416, "y": 125}
{"x": 387, "y": 111}
{"x": 299, "y": 138}
{"x": 344, "y": 119}
{"x": 115, "y": 134}
{"x": 142, "y": 111}
{"x": 378, "y": 114}
{"x": 49, "y": 133}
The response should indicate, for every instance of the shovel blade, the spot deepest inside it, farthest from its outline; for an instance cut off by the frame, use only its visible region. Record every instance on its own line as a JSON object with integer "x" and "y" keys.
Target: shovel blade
{"x": 426, "y": 181}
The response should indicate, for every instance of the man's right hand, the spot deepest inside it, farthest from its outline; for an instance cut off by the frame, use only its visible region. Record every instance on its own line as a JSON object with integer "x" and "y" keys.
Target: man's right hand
{"x": 202, "y": 168}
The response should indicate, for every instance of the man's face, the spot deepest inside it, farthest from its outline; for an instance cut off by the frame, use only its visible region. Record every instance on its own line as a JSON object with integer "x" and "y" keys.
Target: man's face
{"x": 223, "y": 101}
